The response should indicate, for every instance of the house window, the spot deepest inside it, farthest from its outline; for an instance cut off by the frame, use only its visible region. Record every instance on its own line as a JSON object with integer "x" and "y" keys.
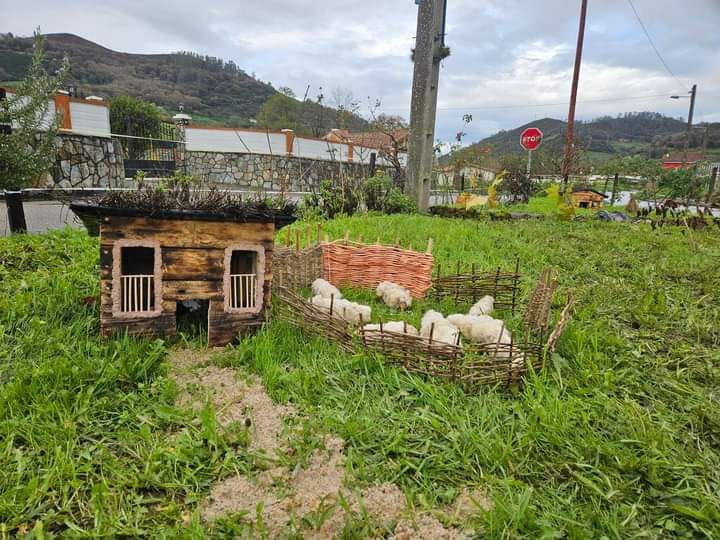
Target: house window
{"x": 243, "y": 279}
{"x": 244, "y": 271}
{"x": 137, "y": 279}
{"x": 583, "y": 204}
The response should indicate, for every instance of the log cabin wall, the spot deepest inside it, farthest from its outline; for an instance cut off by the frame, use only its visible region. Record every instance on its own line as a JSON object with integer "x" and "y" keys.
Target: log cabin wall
{"x": 587, "y": 199}
{"x": 192, "y": 255}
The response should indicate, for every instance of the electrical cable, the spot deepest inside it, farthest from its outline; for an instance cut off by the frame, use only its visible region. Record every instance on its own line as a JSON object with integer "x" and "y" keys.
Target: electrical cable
{"x": 652, "y": 43}
{"x": 535, "y": 105}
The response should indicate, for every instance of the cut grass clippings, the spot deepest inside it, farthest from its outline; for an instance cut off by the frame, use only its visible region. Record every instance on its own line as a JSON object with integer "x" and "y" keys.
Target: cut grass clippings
{"x": 619, "y": 437}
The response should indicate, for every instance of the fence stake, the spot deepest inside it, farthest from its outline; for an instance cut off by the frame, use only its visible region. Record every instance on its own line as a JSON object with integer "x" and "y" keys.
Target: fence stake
{"x": 474, "y": 287}
{"x": 297, "y": 240}
{"x": 319, "y": 232}
{"x": 430, "y": 245}
{"x": 15, "y": 211}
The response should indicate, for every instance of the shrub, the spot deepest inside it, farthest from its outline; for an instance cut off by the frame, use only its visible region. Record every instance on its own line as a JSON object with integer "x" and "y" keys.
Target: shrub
{"x": 381, "y": 195}
{"x": 332, "y": 199}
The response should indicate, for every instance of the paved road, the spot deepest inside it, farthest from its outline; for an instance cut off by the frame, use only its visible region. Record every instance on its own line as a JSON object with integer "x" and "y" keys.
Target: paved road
{"x": 41, "y": 216}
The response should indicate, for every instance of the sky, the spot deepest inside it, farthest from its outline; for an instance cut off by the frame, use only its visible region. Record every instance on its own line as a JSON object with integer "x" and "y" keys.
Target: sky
{"x": 511, "y": 60}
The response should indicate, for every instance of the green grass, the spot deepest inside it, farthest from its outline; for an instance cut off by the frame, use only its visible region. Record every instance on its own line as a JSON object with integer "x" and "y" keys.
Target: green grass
{"x": 619, "y": 438}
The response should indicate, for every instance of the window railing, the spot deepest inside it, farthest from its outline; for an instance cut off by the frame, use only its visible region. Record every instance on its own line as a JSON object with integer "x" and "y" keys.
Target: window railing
{"x": 242, "y": 291}
{"x": 137, "y": 293}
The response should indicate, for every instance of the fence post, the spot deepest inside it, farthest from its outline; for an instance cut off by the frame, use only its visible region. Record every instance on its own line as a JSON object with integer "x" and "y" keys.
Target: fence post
{"x": 373, "y": 157}
{"x": 181, "y": 122}
{"x": 15, "y": 211}
{"x": 350, "y": 153}
{"x": 289, "y": 141}
{"x": 62, "y": 106}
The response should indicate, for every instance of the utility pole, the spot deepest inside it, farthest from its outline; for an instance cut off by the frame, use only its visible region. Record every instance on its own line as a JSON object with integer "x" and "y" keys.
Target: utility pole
{"x": 429, "y": 48}
{"x": 689, "y": 124}
{"x": 570, "y": 140}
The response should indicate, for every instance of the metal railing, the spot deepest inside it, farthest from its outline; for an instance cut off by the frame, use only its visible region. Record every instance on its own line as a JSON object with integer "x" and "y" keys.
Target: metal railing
{"x": 137, "y": 293}
{"x": 242, "y": 291}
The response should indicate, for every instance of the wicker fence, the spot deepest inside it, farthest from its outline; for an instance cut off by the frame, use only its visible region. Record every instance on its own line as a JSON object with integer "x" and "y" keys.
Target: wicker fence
{"x": 471, "y": 366}
{"x": 468, "y": 285}
{"x": 365, "y": 265}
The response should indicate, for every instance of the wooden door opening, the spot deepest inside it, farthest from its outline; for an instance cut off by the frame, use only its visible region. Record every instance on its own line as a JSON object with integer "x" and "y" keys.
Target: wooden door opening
{"x": 191, "y": 317}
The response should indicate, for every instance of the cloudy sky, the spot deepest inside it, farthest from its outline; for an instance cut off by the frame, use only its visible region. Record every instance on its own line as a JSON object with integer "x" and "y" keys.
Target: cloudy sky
{"x": 511, "y": 60}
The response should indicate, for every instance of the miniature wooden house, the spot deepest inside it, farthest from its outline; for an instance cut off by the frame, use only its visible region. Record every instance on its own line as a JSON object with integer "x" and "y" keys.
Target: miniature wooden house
{"x": 148, "y": 265}
{"x": 584, "y": 197}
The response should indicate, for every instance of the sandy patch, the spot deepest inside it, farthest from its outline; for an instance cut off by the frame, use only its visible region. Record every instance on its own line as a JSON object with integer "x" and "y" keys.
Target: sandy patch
{"x": 307, "y": 492}
{"x": 234, "y": 399}
{"x": 425, "y": 527}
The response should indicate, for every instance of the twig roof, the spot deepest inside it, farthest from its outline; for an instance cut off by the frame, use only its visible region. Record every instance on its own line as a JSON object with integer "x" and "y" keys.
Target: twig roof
{"x": 184, "y": 202}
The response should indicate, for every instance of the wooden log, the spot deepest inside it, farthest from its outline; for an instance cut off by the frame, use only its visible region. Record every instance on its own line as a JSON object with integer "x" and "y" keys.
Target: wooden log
{"x": 192, "y": 264}
{"x": 224, "y": 328}
{"x": 192, "y": 290}
{"x": 185, "y": 233}
{"x": 161, "y": 325}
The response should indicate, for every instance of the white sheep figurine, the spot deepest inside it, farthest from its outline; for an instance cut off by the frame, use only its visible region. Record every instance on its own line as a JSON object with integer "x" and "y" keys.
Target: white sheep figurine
{"x": 481, "y": 329}
{"x": 321, "y": 287}
{"x": 442, "y": 329}
{"x": 382, "y": 287}
{"x": 397, "y": 327}
{"x": 394, "y": 295}
{"x": 484, "y": 306}
{"x": 343, "y": 309}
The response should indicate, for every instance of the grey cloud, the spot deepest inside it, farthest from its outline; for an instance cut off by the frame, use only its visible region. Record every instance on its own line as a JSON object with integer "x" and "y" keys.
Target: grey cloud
{"x": 500, "y": 49}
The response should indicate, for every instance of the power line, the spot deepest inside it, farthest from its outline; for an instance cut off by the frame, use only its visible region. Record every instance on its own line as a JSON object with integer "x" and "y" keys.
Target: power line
{"x": 539, "y": 105}
{"x": 652, "y": 43}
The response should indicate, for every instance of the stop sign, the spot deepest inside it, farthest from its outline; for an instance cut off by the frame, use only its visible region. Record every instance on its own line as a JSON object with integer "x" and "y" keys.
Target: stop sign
{"x": 531, "y": 138}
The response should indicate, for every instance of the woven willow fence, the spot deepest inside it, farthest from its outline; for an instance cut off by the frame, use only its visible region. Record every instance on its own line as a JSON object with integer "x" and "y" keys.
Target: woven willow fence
{"x": 467, "y": 287}
{"x": 469, "y": 365}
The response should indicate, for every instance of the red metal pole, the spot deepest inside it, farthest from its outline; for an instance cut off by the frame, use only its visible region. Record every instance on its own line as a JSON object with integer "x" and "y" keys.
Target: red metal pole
{"x": 569, "y": 142}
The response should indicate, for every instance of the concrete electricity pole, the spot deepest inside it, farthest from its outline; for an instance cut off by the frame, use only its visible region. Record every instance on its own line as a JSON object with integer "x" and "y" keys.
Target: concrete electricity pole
{"x": 429, "y": 45}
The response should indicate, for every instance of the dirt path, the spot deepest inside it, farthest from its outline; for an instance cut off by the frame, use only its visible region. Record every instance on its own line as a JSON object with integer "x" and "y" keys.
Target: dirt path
{"x": 313, "y": 500}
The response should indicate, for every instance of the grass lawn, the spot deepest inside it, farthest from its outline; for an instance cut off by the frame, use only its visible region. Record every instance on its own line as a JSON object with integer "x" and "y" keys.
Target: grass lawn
{"x": 619, "y": 438}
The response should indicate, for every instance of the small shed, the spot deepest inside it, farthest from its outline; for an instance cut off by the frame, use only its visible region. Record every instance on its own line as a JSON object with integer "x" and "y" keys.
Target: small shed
{"x": 150, "y": 263}
{"x": 586, "y": 197}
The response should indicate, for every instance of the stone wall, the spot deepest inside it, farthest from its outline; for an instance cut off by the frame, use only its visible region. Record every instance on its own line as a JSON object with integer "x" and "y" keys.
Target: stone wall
{"x": 266, "y": 172}
{"x": 87, "y": 161}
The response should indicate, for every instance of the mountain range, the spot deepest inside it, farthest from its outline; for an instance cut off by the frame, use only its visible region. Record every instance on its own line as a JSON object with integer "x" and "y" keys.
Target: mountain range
{"x": 647, "y": 133}
{"x": 210, "y": 89}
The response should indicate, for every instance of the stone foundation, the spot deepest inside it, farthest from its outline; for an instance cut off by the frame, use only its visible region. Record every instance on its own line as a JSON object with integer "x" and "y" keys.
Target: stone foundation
{"x": 265, "y": 172}
{"x": 86, "y": 161}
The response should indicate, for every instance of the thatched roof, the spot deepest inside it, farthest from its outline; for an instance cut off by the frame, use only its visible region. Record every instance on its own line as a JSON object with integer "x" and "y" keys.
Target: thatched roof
{"x": 184, "y": 203}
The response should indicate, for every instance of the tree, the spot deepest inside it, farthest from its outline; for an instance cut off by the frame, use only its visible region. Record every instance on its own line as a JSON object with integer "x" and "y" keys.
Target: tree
{"x": 279, "y": 112}
{"x": 347, "y": 106}
{"x": 287, "y": 91}
{"x": 131, "y": 116}
{"x": 395, "y": 128}
{"x": 517, "y": 183}
{"x": 28, "y": 150}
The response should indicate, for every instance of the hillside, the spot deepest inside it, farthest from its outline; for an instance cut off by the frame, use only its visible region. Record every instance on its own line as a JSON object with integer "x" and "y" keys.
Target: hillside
{"x": 208, "y": 87}
{"x": 651, "y": 134}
